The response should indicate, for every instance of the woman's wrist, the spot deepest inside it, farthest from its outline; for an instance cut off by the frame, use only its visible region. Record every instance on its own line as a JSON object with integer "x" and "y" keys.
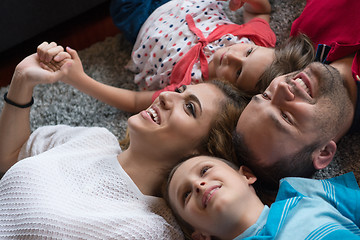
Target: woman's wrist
{"x": 20, "y": 91}
{"x": 11, "y": 102}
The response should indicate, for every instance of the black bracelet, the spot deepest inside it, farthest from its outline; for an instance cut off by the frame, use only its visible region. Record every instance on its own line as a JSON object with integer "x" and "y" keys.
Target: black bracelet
{"x": 16, "y": 104}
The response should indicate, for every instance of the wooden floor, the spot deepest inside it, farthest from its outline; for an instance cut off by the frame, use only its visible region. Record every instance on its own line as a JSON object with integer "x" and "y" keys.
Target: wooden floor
{"x": 78, "y": 33}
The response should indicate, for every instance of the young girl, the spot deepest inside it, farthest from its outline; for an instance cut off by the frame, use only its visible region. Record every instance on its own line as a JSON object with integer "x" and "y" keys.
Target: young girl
{"x": 188, "y": 42}
{"x": 212, "y": 198}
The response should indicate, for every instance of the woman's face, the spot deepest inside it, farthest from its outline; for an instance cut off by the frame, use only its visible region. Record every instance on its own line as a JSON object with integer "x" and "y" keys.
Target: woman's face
{"x": 241, "y": 64}
{"x": 176, "y": 122}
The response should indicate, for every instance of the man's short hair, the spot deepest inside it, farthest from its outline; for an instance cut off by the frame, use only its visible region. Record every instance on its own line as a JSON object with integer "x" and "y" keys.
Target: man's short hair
{"x": 299, "y": 164}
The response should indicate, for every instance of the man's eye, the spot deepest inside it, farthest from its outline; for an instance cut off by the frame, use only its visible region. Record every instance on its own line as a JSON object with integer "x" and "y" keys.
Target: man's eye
{"x": 191, "y": 108}
{"x": 265, "y": 96}
{"x": 249, "y": 51}
{"x": 204, "y": 170}
{"x": 238, "y": 73}
{"x": 285, "y": 117}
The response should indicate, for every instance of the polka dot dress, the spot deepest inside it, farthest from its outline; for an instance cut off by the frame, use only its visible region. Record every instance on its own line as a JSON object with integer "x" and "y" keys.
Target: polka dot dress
{"x": 165, "y": 37}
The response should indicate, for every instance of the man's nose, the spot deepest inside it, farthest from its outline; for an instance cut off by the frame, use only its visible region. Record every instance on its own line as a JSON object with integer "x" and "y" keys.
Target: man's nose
{"x": 282, "y": 94}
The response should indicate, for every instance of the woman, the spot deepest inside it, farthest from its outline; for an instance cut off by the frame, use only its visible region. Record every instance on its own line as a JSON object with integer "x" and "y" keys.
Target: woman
{"x": 75, "y": 182}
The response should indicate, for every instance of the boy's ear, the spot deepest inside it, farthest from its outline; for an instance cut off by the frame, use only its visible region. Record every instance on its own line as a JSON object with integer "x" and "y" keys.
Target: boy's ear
{"x": 248, "y": 174}
{"x": 324, "y": 155}
{"x": 200, "y": 236}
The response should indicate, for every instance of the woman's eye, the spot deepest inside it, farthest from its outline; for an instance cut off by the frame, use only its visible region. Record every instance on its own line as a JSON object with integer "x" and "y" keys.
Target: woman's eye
{"x": 265, "y": 96}
{"x": 204, "y": 170}
{"x": 191, "y": 108}
{"x": 249, "y": 51}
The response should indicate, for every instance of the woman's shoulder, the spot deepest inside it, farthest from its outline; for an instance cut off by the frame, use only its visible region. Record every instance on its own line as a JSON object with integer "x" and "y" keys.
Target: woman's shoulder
{"x": 49, "y": 137}
{"x": 66, "y": 131}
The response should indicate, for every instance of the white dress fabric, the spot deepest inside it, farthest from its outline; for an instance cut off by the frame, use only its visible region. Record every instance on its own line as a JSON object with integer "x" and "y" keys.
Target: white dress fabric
{"x": 165, "y": 37}
{"x": 70, "y": 185}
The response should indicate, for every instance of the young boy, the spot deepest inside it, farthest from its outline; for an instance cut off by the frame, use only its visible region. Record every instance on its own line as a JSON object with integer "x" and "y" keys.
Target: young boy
{"x": 212, "y": 198}
{"x": 187, "y": 42}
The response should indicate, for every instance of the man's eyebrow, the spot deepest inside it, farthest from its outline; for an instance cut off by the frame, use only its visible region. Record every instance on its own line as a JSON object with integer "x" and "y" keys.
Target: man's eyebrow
{"x": 272, "y": 116}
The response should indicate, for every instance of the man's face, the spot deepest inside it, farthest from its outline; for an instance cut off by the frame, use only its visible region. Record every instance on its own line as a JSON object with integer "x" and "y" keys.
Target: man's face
{"x": 296, "y": 110}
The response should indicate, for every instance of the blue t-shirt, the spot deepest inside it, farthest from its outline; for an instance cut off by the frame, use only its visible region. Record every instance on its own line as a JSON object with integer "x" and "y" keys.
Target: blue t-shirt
{"x": 311, "y": 209}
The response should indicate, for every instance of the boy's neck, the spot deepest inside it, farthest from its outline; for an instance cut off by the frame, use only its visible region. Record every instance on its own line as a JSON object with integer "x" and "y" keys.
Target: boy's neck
{"x": 248, "y": 216}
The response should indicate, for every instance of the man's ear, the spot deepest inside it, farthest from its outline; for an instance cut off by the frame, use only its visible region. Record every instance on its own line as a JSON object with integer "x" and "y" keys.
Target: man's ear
{"x": 324, "y": 155}
{"x": 200, "y": 236}
{"x": 248, "y": 174}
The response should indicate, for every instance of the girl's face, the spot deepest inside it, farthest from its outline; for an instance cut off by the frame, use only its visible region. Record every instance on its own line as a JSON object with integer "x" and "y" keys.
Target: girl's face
{"x": 241, "y": 64}
{"x": 212, "y": 197}
{"x": 175, "y": 124}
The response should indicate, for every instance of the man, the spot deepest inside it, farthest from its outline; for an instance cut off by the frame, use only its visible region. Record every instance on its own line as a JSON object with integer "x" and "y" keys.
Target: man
{"x": 292, "y": 128}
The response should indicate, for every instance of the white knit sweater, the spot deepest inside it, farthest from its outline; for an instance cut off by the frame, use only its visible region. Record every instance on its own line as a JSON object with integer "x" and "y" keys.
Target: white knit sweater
{"x": 70, "y": 185}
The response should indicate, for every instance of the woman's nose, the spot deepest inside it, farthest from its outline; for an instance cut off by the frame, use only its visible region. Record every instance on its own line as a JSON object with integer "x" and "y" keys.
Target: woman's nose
{"x": 168, "y": 98}
{"x": 282, "y": 94}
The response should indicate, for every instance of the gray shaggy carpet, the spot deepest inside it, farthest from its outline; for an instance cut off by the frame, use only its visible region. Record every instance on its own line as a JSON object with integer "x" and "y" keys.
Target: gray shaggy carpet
{"x": 105, "y": 61}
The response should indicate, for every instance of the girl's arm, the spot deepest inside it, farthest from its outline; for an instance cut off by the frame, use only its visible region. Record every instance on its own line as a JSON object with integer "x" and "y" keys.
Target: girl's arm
{"x": 15, "y": 121}
{"x": 252, "y": 8}
{"x": 74, "y": 75}
{"x": 126, "y": 100}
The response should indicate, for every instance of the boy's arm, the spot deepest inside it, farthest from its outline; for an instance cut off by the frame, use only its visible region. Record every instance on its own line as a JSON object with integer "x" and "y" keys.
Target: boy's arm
{"x": 126, "y": 100}
{"x": 252, "y": 8}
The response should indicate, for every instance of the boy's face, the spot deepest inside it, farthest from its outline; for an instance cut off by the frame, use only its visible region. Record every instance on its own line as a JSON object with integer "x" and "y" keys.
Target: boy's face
{"x": 241, "y": 64}
{"x": 211, "y": 196}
